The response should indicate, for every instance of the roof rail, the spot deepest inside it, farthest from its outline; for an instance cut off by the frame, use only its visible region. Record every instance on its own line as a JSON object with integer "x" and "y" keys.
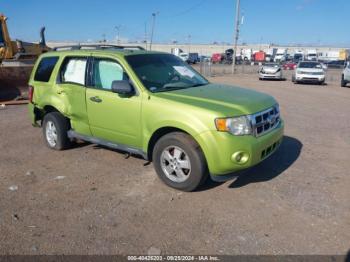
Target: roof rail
{"x": 96, "y": 47}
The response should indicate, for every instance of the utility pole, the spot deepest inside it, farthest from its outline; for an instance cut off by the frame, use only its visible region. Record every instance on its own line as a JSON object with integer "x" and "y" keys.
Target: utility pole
{"x": 153, "y": 25}
{"x": 236, "y": 35}
{"x": 118, "y": 33}
{"x": 145, "y": 35}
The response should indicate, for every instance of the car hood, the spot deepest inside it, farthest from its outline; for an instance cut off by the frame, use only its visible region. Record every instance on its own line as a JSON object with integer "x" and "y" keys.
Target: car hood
{"x": 269, "y": 69}
{"x": 223, "y": 100}
{"x": 311, "y": 70}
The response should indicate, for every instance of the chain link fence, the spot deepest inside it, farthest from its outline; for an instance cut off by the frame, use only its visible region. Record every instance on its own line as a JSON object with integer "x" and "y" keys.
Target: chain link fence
{"x": 209, "y": 69}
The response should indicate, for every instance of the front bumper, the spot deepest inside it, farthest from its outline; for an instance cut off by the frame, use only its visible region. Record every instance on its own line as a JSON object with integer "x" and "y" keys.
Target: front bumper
{"x": 220, "y": 149}
{"x": 277, "y": 75}
{"x": 310, "y": 78}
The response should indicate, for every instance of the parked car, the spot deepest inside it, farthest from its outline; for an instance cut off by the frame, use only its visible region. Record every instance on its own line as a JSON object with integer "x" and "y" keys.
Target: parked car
{"x": 193, "y": 58}
{"x": 156, "y": 106}
{"x": 298, "y": 57}
{"x": 204, "y": 58}
{"x": 336, "y": 64}
{"x": 270, "y": 71}
{"x": 290, "y": 65}
{"x": 309, "y": 72}
{"x": 184, "y": 57}
{"x": 324, "y": 65}
{"x": 345, "y": 78}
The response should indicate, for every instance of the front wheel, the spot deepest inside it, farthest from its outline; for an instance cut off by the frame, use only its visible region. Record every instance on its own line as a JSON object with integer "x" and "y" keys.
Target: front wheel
{"x": 179, "y": 161}
{"x": 343, "y": 82}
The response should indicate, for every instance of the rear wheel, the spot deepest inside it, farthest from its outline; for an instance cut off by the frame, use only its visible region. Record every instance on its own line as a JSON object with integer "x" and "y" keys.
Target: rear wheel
{"x": 55, "y": 128}
{"x": 179, "y": 161}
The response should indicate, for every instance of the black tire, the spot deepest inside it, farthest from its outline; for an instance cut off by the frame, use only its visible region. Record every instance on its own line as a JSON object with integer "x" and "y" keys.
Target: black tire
{"x": 62, "y": 126}
{"x": 343, "y": 82}
{"x": 198, "y": 172}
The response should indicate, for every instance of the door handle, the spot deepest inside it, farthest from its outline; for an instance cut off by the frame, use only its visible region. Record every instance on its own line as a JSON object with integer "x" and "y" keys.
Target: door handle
{"x": 96, "y": 99}
{"x": 60, "y": 91}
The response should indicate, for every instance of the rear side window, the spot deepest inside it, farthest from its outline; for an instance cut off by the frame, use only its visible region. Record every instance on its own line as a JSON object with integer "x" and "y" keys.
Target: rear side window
{"x": 45, "y": 68}
{"x": 73, "y": 70}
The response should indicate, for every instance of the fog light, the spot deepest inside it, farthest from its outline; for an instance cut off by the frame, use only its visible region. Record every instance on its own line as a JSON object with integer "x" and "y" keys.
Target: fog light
{"x": 240, "y": 157}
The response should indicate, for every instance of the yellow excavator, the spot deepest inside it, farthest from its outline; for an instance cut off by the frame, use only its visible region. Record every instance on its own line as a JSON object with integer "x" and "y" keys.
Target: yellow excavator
{"x": 16, "y": 61}
{"x": 16, "y": 50}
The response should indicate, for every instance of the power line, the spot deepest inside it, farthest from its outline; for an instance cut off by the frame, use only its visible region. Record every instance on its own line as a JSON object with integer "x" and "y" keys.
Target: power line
{"x": 188, "y": 10}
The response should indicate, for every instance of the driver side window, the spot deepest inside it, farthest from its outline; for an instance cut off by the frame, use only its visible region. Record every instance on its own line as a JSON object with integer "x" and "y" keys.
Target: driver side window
{"x": 105, "y": 71}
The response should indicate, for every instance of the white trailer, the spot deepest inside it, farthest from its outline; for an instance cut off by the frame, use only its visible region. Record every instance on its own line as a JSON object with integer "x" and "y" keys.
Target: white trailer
{"x": 328, "y": 55}
{"x": 246, "y": 54}
{"x": 311, "y": 55}
{"x": 280, "y": 55}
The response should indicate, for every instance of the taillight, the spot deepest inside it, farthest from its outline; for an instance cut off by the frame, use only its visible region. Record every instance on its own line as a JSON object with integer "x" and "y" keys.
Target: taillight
{"x": 30, "y": 93}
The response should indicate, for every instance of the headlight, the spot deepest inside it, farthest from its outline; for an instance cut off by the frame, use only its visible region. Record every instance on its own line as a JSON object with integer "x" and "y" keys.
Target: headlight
{"x": 237, "y": 126}
{"x": 299, "y": 72}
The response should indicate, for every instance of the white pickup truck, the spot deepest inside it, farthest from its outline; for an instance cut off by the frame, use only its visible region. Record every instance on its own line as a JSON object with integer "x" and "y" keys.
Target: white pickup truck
{"x": 345, "y": 78}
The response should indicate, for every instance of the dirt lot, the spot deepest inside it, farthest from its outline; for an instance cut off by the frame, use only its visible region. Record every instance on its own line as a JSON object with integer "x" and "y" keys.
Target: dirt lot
{"x": 90, "y": 200}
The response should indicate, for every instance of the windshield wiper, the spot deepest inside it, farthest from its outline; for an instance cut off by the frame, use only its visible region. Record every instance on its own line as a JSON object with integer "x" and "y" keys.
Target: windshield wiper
{"x": 199, "y": 85}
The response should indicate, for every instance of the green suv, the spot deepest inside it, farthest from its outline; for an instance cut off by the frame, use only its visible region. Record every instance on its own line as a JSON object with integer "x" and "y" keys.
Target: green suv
{"x": 153, "y": 105}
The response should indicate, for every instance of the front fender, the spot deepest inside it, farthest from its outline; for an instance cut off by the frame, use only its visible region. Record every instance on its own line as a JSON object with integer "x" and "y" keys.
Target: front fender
{"x": 193, "y": 130}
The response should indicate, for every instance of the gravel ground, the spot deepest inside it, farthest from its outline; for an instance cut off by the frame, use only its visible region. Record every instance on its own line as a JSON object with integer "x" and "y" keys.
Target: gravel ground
{"x": 91, "y": 200}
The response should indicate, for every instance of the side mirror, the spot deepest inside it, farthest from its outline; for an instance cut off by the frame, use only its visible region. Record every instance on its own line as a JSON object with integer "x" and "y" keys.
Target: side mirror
{"x": 122, "y": 87}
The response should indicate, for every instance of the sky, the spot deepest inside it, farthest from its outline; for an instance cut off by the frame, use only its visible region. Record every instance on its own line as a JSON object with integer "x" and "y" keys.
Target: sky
{"x": 305, "y": 22}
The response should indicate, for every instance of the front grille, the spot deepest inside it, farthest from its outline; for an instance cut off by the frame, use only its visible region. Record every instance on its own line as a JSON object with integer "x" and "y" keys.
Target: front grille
{"x": 265, "y": 121}
{"x": 310, "y": 73}
{"x": 310, "y": 79}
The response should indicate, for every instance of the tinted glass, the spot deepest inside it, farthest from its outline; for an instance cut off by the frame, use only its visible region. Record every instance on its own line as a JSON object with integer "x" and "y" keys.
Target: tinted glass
{"x": 164, "y": 72}
{"x": 309, "y": 65}
{"x": 45, "y": 68}
{"x": 74, "y": 70}
{"x": 105, "y": 72}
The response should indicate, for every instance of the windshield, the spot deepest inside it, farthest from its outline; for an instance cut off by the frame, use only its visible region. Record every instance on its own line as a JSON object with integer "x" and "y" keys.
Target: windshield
{"x": 164, "y": 72}
{"x": 309, "y": 65}
{"x": 271, "y": 65}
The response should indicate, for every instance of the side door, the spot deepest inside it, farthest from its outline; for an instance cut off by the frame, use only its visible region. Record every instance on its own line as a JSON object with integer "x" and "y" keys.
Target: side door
{"x": 70, "y": 87}
{"x": 112, "y": 117}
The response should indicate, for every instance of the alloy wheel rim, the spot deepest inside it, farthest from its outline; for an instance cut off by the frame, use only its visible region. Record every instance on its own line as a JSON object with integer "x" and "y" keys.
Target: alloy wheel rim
{"x": 51, "y": 133}
{"x": 175, "y": 164}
